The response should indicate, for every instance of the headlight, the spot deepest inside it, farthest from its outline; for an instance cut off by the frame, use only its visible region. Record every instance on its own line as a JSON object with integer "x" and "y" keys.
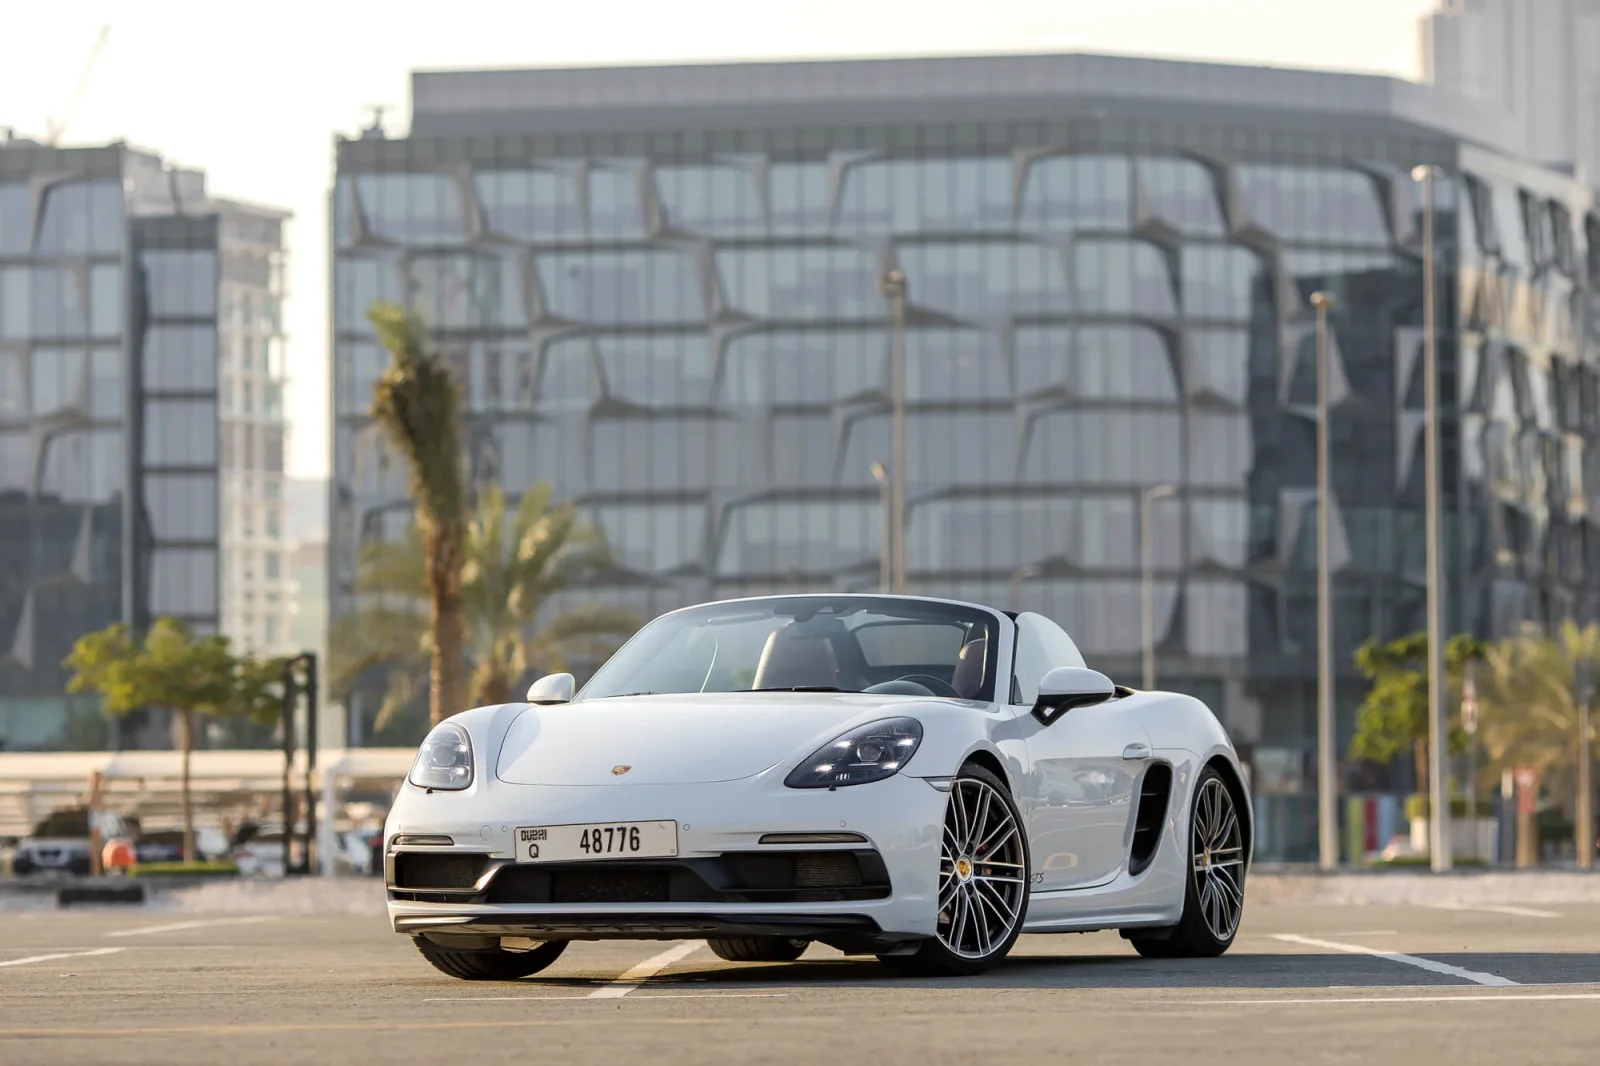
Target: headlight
{"x": 867, "y": 753}
{"x": 445, "y": 759}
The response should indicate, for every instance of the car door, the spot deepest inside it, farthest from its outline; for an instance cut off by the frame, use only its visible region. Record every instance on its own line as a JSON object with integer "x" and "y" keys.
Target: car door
{"x": 1084, "y": 770}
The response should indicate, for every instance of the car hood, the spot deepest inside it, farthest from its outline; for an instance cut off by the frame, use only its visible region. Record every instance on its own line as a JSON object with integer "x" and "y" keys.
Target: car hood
{"x": 693, "y": 738}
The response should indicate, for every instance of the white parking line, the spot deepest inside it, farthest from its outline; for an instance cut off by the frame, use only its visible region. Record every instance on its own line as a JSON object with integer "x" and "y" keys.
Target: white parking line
{"x": 60, "y": 955}
{"x": 1394, "y": 956}
{"x": 1509, "y": 997}
{"x": 645, "y": 970}
{"x": 203, "y": 923}
{"x": 1494, "y": 908}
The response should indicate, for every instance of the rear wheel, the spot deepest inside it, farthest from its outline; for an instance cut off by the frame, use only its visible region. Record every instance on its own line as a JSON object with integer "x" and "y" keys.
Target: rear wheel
{"x": 1213, "y": 903}
{"x": 759, "y": 949}
{"x": 490, "y": 964}
{"x": 983, "y": 882}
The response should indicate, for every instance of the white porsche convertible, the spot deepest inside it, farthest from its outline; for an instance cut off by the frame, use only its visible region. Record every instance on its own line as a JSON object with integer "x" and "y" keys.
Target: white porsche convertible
{"x": 921, "y": 780}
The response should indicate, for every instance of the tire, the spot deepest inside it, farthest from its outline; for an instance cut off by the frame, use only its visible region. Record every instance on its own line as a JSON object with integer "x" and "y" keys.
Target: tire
{"x": 1213, "y": 902}
{"x": 759, "y": 949}
{"x": 491, "y": 964}
{"x": 983, "y": 867}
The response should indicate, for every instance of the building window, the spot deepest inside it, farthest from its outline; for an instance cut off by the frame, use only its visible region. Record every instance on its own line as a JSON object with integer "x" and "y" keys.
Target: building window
{"x": 272, "y": 566}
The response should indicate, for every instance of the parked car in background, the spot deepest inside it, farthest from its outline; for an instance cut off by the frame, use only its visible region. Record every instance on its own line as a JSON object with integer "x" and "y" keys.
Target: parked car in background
{"x": 258, "y": 849}
{"x": 60, "y": 843}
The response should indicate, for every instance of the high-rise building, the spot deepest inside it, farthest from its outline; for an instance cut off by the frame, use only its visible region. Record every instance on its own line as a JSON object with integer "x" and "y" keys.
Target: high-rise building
{"x": 660, "y": 288}
{"x": 114, "y": 272}
{"x": 1535, "y": 61}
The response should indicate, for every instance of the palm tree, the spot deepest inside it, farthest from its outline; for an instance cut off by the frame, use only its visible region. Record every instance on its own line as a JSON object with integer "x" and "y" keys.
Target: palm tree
{"x": 418, "y": 404}
{"x": 1530, "y": 717}
{"x": 512, "y": 569}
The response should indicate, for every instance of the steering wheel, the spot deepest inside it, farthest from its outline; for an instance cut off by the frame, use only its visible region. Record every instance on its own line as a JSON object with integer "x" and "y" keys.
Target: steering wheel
{"x": 929, "y": 681}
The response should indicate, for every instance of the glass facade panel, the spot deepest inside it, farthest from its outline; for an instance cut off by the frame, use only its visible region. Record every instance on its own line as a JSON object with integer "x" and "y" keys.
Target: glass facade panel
{"x": 1314, "y": 203}
{"x": 469, "y": 291}
{"x": 180, "y": 359}
{"x": 1182, "y": 193}
{"x": 1121, "y": 277}
{"x": 360, "y": 282}
{"x": 1220, "y": 281}
{"x": 815, "y": 537}
{"x": 105, "y": 300}
{"x": 974, "y": 281}
{"x": 16, "y": 305}
{"x": 926, "y": 195}
{"x": 413, "y": 208}
{"x": 183, "y": 581}
{"x": 532, "y": 205}
{"x": 722, "y": 199}
{"x": 622, "y": 288}
{"x": 16, "y": 218}
{"x": 180, "y": 284}
{"x": 1105, "y": 447}
{"x": 802, "y": 283}
{"x": 810, "y": 367}
{"x": 82, "y": 218}
{"x": 656, "y": 538}
{"x": 1101, "y": 362}
{"x": 180, "y": 433}
{"x": 59, "y": 304}
{"x": 181, "y": 506}
{"x": 1063, "y": 194}
{"x": 664, "y": 371}
{"x": 616, "y": 208}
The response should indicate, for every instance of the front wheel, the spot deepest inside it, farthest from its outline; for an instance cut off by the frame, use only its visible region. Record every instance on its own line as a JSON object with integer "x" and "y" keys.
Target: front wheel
{"x": 983, "y": 882}
{"x": 490, "y": 964}
{"x": 1213, "y": 903}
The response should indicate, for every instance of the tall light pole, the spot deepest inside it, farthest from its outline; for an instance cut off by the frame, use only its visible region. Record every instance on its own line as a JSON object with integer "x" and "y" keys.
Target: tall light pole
{"x": 893, "y": 286}
{"x": 1327, "y": 766}
{"x": 886, "y": 560}
{"x": 1438, "y": 735}
{"x": 1147, "y": 612}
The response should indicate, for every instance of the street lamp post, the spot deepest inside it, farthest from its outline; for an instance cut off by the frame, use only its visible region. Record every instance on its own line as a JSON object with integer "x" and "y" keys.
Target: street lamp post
{"x": 1438, "y": 735}
{"x": 886, "y": 562}
{"x": 1327, "y": 766}
{"x": 1147, "y": 575}
{"x": 893, "y": 286}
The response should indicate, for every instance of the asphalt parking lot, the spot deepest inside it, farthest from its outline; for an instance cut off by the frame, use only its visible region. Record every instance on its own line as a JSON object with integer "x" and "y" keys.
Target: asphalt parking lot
{"x": 1356, "y": 984}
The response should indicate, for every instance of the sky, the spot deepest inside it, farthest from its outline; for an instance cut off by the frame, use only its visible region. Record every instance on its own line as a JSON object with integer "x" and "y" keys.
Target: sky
{"x": 256, "y": 94}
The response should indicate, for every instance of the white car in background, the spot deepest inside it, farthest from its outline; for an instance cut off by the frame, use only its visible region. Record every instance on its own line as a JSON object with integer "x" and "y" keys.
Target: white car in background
{"x": 917, "y": 779}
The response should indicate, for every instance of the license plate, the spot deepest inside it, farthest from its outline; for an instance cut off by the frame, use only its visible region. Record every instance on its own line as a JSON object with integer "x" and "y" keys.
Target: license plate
{"x": 597, "y": 840}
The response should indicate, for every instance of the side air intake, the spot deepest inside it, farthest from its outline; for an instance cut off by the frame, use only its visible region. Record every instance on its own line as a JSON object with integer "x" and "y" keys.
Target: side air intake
{"x": 1154, "y": 791}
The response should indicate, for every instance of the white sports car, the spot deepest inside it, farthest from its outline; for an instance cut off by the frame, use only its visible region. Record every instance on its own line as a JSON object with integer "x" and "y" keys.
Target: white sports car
{"x": 917, "y": 779}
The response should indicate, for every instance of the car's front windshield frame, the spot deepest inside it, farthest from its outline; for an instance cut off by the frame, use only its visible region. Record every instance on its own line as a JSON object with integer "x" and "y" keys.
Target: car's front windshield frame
{"x": 645, "y": 664}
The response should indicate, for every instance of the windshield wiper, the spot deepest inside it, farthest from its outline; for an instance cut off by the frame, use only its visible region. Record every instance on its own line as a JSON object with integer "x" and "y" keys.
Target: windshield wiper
{"x": 801, "y": 688}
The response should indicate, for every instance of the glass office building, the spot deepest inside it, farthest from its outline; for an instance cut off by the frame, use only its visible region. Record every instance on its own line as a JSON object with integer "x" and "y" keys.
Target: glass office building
{"x": 110, "y": 273}
{"x": 660, "y": 288}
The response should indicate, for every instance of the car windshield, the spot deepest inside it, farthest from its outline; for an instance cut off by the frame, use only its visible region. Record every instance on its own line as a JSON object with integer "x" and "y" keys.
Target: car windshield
{"x": 809, "y": 644}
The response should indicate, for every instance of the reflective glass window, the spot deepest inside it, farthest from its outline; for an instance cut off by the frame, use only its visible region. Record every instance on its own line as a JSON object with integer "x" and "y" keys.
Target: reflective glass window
{"x": 976, "y": 281}
{"x": 1064, "y": 193}
{"x": 1219, "y": 531}
{"x": 722, "y": 199}
{"x": 16, "y": 305}
{"x": 533, "y": 205}
{"x": 1181, "y": 192}
{"x": 16, "y": 462}
{"x": 635, "y": 454}
{"x": 468, "y": 291}
{"x": 16, "y": 219}
{"x": 105, "y": 300}
{"x": 361, "y": 282}
{"x": 531, "y": 452}
{"x": 944, "y": 449}
{"x": 57, "y": 380}
{"x": 1511, "y": 226}
{"x": 180, "y": 432}
{"x": 82, "y": 218}
{"x": 1103, "y": 362}
{"x": 181, "y": 284}
{"x": 989, "y": 532}
{"x": 622, "y": 288}
{"x": 183, "y": 581}
{"x": 1121, "y": 277}
{"x": 664, "y": 370}
{"x": 1313, "y": 203}
{"x": 1088, "y": 446}
{"x": 180, "y": 359}
{"x": 1217, "y": 618}
{"x": 655, "y": 538}
{"x": 360, "y": 364}
{"x": 106, "y": 384}
{"x": 181, "y": 506}
{"x": 811, "y": 537}
{"x": 58, "y": 303}
{"x": 413, "y": 208}
{"x": 616, "y": 209}
{"x": 802, "y": 283}
{"x": 805, "y": 367}
{"x": 804, "y": 448}
{"x": 14, "y": 402}
{"x": 954, "y": 364}
{"x": 1219, "y": 364}
{"x": 926, "y": 195}
{"x": 82, "y": 467}
{"x": 1220, "y": 281}
{"x": 800, "y": 198}
{"x": 569, "y": 377}
{"x": 1221, "y": 448}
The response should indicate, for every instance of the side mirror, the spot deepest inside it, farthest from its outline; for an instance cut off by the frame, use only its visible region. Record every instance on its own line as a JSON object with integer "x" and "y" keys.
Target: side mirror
{"x": 551, "y": 688}
{"x": 1068, "y": 687}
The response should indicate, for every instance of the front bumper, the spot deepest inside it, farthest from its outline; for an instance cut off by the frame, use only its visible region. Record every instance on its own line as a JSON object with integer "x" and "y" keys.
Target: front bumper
{"x": 714, "y": 888}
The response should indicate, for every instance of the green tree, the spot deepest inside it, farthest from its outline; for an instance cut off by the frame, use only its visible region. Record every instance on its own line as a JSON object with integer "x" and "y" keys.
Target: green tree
{"x": 1530, "y": 715}
{"x": 417, "y": 403}
{"x": 170, "y": 668}
{"x": 1393, "y": 719}
{"x": 514, "y": 565}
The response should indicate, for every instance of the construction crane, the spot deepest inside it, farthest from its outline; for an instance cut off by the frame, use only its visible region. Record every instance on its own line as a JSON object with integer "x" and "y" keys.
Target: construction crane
{"x": 55, "y": 127}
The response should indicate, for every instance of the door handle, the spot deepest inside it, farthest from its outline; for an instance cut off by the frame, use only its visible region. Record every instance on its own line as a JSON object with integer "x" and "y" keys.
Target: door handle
{"x": 1136, "y": 751}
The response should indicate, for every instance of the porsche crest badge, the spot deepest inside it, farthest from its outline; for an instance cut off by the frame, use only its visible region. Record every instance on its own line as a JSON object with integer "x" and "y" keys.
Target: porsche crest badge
{"x": 618, "y": 771}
